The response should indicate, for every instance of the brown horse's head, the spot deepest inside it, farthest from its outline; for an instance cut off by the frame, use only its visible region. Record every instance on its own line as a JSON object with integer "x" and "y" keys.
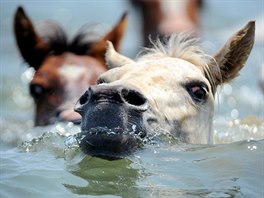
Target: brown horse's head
{"x": 170, "y": 89}
{"x": 63, "y": 69}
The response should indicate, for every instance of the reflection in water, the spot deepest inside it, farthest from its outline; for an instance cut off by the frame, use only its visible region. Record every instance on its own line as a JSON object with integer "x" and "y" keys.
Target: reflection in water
{"x": 105, "y": 177}
{"x": 169, "y": 171}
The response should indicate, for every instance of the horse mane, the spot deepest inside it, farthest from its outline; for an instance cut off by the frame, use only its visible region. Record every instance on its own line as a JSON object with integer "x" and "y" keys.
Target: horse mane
{"x": 183, "y": 46}
{"x": 58, "y": 42}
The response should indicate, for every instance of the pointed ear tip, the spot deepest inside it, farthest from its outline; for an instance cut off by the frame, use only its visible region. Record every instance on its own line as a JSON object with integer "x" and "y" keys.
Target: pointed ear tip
{"x": 20, "y": 9}
{"x": 251, "y": 24}
{"x": 123, "y": 19}
{"x": 109, "y": 44}
{"x": 124, "y": 16}
{"x": 250, "y": 28}
{"x": 20, "y": 13}
{"x": 109, "y": 48}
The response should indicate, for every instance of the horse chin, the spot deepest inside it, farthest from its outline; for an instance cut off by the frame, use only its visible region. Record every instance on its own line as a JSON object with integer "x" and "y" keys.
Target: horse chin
{"x": 109, "y": 143}
{"x": 69, "y": 116}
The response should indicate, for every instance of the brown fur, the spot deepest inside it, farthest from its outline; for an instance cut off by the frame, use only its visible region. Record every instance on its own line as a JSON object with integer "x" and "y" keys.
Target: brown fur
{"x": 48, "y": 53}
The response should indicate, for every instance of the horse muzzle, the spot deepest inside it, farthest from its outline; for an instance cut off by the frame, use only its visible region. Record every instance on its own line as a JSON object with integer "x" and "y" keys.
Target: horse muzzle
{"x": 112, "y": 120}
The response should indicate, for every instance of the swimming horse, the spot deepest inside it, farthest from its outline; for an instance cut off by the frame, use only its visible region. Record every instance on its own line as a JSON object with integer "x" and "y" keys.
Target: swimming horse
{"x": 169, "y": 89}
{"x": 63, "y": 69}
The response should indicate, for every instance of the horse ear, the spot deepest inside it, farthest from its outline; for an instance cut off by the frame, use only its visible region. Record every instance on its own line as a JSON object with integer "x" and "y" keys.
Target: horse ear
{"x": 232, "y": 57}
{"x": 114, "y": 59}
{"x": 117, "y": 33}
{"x": 31, "y": 46}
{"x": 98, "y": 49}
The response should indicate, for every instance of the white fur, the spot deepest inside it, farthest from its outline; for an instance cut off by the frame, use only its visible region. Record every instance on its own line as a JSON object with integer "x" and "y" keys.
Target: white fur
{"x": 160, "y": 81}
{"x": 76, "y": 78}
{"x": 72, "y": 72}
{"x": 162, "y": 72}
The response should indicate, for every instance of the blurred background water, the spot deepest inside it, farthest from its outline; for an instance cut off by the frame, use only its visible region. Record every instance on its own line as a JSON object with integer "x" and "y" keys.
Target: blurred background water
{"x": 51, "y": 165}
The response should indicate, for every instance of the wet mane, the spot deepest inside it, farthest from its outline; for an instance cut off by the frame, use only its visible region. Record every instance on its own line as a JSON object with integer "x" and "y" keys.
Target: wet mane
{"x": 183, "y": 46}
{"x": 58, "y": 41}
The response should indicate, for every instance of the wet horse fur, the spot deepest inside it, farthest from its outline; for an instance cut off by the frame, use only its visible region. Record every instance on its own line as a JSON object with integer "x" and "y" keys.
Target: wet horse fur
{"x": 169, "y": 89}
{"x": 63, "y": 69}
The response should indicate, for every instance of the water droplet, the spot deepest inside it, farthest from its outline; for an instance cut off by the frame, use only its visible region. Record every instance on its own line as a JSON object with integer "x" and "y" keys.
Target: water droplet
{"x": 234, "y": 113}
{"x": 60, "y": 129}
{"x": 215, "y": 132}
{"x": 71, "y": 141}
{"x": 250, "y": 139}
{"x": 253, "y": 147}
{"x": 237, "y": 122}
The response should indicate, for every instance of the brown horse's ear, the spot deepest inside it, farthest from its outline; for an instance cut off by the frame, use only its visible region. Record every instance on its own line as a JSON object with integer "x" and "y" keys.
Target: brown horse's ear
{"x": 32, "y": 47}
{"x": 233, "y": 56}
{"x": 98, "y": 49}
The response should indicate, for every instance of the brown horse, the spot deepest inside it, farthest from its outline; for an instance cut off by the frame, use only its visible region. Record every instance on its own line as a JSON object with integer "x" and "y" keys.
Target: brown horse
{"x": 165, "y": 17}
{"x": 170, "y": 89}
{"x": 63, "y": 69}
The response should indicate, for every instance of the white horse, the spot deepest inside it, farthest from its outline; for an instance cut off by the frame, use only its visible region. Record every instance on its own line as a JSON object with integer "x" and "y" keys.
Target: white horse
{"x": 169, "y": 88}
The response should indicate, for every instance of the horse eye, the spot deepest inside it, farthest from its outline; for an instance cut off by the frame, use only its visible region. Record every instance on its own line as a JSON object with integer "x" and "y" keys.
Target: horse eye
{"x": 36, "y": 90}
{"x": 198, "y": 92}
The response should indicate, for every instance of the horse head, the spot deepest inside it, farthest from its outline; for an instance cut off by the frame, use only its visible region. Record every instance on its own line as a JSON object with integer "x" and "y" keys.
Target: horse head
{"x": 63, "y": 69}
{"x": 169, "y": 89}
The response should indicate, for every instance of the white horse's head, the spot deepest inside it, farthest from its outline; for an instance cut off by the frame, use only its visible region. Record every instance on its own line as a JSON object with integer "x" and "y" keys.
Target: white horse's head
{"x": 170, "y": 88}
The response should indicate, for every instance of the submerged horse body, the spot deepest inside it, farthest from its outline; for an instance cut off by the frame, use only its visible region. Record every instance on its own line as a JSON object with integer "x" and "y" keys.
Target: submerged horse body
{"x": 63, "y": 69}
{"x": 170, "y": 89}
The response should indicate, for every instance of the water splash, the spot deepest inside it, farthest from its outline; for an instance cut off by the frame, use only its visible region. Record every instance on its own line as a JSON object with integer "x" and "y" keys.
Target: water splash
{"x": 58, "y": 139}
{"x": 48, "y": 140}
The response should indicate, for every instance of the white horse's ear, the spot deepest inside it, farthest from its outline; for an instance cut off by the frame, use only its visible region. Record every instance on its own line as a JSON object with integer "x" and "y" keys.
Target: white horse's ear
{"x": 233, "y": 56}
{"x": 114, "y": 59}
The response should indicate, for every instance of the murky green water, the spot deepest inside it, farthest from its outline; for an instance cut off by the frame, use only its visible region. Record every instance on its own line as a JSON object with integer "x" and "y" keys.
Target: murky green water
{"x": 45, "y": 161}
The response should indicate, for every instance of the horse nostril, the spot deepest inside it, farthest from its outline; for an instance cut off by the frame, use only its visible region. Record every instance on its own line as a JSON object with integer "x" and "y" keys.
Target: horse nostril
{"x": 133, "y": 97}
{"x": 84, "y": 98}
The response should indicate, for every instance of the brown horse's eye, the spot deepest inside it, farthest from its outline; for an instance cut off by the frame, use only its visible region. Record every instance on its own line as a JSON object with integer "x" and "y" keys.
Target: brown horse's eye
{"x": 36, "y": 91}
{"x": 198, "y": 92}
